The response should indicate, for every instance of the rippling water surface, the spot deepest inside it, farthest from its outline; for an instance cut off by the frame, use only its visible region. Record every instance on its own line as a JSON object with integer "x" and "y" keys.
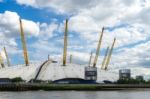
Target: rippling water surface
{"x": 76, "y": 95}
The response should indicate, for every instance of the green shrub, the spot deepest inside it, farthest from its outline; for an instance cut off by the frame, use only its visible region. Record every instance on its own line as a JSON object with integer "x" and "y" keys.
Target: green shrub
{"x": 129, "y": 81}
{"x": 17, "y": 79}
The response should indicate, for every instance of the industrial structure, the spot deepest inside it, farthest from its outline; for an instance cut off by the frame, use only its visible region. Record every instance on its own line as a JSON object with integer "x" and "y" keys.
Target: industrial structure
{"x": 124, "y": 74}
{"x": 65, "y": 72}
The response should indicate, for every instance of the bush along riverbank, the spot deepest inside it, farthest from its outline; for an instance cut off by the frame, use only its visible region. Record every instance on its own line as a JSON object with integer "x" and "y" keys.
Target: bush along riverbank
{"x": 63, "y": 87}
{"x": 18, "y": 84}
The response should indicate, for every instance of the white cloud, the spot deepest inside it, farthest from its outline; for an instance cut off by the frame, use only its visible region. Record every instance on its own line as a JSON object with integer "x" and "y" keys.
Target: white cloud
{"x": 82, "y": 24}
{"x": 9, "y": 24}
{"x": 78, "y": 57}
{"x": 91, "y": 16}
{"x": 48, "y": 30}
{"x": 69, "y": 6}
{"x": 137, "y": 56}
{"x": 27, "y": 2}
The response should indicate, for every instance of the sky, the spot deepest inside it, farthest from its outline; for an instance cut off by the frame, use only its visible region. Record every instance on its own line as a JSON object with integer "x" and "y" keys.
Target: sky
{"x": 43, "y": 22}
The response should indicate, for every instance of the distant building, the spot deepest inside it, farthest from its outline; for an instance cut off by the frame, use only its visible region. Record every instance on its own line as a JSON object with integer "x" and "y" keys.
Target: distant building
{"x": 5, "y": 81}
{"x": 140, "y": 78}
{"x": 124, "y": 74}
{"x": 91, "y": 73}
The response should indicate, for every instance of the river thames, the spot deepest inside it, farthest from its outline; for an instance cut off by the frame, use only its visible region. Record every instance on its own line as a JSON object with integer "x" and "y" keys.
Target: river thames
{"x": 144, "y": 94}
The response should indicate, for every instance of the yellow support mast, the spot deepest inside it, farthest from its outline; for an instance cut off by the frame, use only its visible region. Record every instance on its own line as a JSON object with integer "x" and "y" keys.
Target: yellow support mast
{"x": 1, "y": 61}
{"x": 8, "y": 62}
{"x": 24, "y": 44}
{"x": 70, "y": 58}
{"x": 98, "y": 48}
{"x": 105, "y": 57}
{"x": 110, "y": 53}
{"x": 65, "y": 43}
{"x": 90, "y": 59}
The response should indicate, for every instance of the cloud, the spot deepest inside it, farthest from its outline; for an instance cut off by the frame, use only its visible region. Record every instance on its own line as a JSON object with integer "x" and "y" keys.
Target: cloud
{"x": 9, "y": 24}
{"x": 91, "y": 16}
{"x": 47, "y": 30}
{"x": 78, "y": 57}
{"x": 69, "y": 6}
{"x": 137, "y": 56}
{"x": 27, "y": 2}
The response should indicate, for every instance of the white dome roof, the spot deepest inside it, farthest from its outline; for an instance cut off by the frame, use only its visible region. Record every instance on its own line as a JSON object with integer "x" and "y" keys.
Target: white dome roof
{"x": 53, "y": 71}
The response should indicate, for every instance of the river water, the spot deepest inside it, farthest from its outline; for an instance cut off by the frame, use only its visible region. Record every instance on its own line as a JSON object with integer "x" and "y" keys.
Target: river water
{"x": 76, "y": 95}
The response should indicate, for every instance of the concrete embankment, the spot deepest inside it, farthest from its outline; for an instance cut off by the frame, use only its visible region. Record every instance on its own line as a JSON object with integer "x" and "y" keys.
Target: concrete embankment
{"x": 78, "y": 87}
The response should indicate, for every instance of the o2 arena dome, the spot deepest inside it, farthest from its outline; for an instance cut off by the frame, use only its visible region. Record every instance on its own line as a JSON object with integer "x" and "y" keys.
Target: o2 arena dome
{"x": 52, "y": 71}
{"x": 59, "y": 72}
